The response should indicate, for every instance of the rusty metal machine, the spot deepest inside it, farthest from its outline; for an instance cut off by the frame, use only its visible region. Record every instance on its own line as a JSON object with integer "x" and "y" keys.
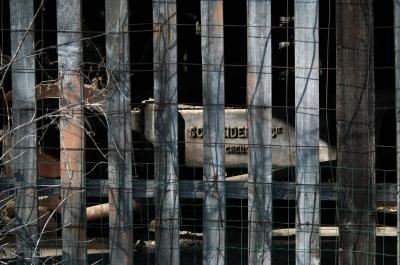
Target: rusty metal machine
{"x": 190, "y": 133}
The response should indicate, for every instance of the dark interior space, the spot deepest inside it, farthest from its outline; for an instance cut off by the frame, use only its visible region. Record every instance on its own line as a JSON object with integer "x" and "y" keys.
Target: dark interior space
{"x": 235, "y": 52}
{"x": 141, "y": 50}
{"x": 385, "y": 125}
{"x": 46, "y": 41}
{"x": 94, "y": 52}
{"x": 48, "y": 131}
{"x": 94, "y": 67}
{"x": 189, "y": 52}
{"x": 282, "y": 34}
{"x": 327, "y": 82}
{"x": 5, "y": 57}
{"x": 95, "y": 145}
{"x": 282, "y": 56}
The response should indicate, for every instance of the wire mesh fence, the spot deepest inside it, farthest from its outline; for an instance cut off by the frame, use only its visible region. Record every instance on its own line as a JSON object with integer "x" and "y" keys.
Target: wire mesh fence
{"x": 199, "y": 132}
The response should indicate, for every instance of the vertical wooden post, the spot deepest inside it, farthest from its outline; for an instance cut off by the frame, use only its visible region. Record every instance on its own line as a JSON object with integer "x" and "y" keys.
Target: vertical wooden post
{"x": 259, "y": 104}
{"x": 119, "y": 133}
{"x": 355, "y": 116}
{"x": 24, "y": 105}
{"x": 307, "y": 131}
{"x": 396, "y": 7}
{"x": 71, "y": 131}
{"x": 212, "y": 50}
{"x": 166, "y": 132}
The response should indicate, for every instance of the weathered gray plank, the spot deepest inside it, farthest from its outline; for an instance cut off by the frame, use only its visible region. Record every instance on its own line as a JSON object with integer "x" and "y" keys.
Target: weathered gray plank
{"x": 355, "y": 117}
{"x": 307, "y": 131}
{"x": 71, "y": 131}
{"x": 24, "y": 104}
{"x": 142, "y": 188}
{"x": 212, "y": 50}
{"x": 119, "y": 133}
{"x": 259, "y": 113}
{"x": 396, "y": 8}
{"x": 166, "y": 131}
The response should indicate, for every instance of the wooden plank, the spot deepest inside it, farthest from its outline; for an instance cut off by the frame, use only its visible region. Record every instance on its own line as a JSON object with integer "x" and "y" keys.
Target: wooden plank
{"x": 307, "y": 132}
{"x": 24, "y": 151}
{"x": 355, "y": 116}
{"x": 166, "y": 132}
{"x": 212, "y": 51}
{"x": 119, "y": 133}
{"x": 259, "y": 113}
{"x": 189, "y": 189}
{"x": 396, "y": 8}
{"x": 71, "y": 131}
{"x": 333, "y": 231}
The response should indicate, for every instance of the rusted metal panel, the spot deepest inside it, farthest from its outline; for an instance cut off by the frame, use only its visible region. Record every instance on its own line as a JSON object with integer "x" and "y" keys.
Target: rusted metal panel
{"x": 307, "y": 132}
{"x": 166, "y": 132}
{"x": 355, "y": 115}
{"x": 260, "y": 132}
{"x": 91, "y": 93}
{"x": 71, "y": 131}
{"x": 24, "y": 137}
{"x": 212, "y": 50}
{"x": 119, "y": 133}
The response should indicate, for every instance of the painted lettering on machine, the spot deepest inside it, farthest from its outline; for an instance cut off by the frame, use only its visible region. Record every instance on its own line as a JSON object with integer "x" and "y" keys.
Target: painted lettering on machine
{"x": 191, "y": 133}
{"x": 236, "y": 139}
{"x": 231, "y": 132}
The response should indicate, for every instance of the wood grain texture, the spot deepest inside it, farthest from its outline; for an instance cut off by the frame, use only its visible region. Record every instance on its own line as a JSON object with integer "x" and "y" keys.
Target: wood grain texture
{"x": 166, "y": 132}
{"x": 386, "y": 194}
{"x": 307, "y": 131}
{"x": 259, "y": 113}
{"x": 396, "y": 5}
{"x": 71, "y": 131}
{"x": 118, "y": 101}
{"x": 212, "y": 50}
{"x": 355, "y": 116}
{"x": 24, "y": 138}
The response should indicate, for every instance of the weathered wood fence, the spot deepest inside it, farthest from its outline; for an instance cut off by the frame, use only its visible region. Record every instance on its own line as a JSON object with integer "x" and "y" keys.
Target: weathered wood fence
{"x": 355, "y": 83}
